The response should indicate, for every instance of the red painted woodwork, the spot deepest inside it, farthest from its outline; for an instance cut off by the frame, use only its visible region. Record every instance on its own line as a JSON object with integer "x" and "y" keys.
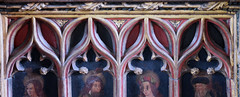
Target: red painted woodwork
{"x": 22, "y": 34}
{"x": 133, "y": 35}
{"x": 161, "y": 35}
{"x": 48, "y": 34}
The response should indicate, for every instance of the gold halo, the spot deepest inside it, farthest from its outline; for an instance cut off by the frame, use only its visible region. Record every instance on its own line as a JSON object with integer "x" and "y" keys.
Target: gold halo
{"x": 154, "y": 78}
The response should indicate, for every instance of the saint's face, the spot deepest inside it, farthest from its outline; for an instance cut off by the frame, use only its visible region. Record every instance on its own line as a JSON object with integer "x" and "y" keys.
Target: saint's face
{"x": 31, "y": 90}
{"x": 200, "y": 90}
{"x": 147, "y": 89}
{"x": 96, "y": 88}
{"x": 200, "y": 86}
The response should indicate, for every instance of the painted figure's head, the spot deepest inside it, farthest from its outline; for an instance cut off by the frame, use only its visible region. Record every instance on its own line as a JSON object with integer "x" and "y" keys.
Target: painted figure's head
{"x": 149, "y": 83}
{"x": 94, "y": 83}
{"x": 34, "y": 89}
{"x": 33, "y": 85}
{"x": 200, "y": 85}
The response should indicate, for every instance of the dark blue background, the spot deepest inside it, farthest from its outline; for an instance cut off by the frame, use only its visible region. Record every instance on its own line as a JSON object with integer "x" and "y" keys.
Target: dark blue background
{"x": 148, "y": 64}
{"x": 77, "y": 78}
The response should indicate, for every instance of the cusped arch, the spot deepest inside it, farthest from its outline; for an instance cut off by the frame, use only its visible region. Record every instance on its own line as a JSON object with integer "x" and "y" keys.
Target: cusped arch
{"x": 100, "y": 46}
{"x": 13, "y": 29}
{"x": 88, "y": 39}
{"x": 53, "y": 25}
{"x": 169, "y": 33}
{"x": 124, "y": 34}
{"x": 81, "y": 46}
{"x": 211, "y": 49}
{"x": 43, "y": 44}
{"x": 195, "y": 42}
{"x": 142, "y": 41}
{"x": 221, "y": 68}
{"x": 113, "y": 31}
{"x": 40, "y": 38}
{"x": 24, "y": 52}
{"x": 182, "y": 62}
{"x": 153, "y": 43}
{"x": 138, "y": 45}
{"x": 224, "y": 31}
{"x": 185, "y": 25}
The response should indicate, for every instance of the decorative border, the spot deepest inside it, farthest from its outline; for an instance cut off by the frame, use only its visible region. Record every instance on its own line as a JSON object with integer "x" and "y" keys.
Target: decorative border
{"x": 94, "y": 6}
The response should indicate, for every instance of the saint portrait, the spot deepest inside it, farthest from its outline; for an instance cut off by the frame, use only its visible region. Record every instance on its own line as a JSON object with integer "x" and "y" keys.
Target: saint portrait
{"x": 203, "y": 85}
{"x": 148, "y": 84}
{"x": 33, "y": 84}
{"x": 202, "y": 88}
{"x": 94, "y": 83}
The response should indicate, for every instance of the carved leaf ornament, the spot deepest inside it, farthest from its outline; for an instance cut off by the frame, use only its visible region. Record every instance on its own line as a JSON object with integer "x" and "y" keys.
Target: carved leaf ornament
{"x": 118, "y": 46}
{"x": 93, "y": 6}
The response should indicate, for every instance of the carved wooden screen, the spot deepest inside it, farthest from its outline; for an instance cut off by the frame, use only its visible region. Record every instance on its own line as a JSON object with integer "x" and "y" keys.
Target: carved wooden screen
{"x": 172, "y": 52}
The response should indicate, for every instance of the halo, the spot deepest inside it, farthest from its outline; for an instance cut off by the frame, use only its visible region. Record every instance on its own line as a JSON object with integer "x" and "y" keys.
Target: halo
{"x": 95, "y": 73}
{"x": 149, "y": 76}
{"x": 32, "y": 76}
